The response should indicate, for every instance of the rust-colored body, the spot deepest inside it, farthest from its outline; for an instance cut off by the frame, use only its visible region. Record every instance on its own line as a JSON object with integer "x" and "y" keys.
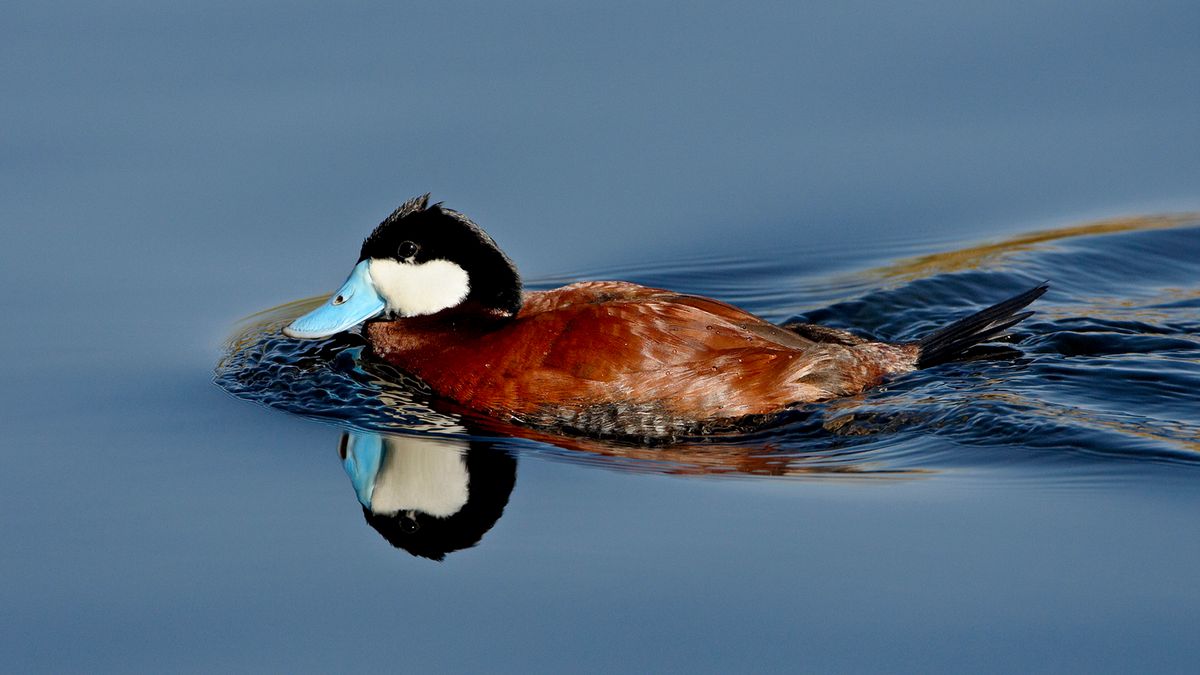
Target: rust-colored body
{"x": 618, "y": 358}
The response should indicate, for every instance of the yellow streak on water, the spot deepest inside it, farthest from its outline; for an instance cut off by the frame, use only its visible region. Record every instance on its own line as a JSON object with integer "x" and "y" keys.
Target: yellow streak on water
{"x": 1171, "y": 433}
{"x": 975, "y": 257}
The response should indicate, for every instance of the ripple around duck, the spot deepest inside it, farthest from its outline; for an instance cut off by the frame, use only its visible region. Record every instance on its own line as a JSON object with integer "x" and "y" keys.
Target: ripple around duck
{"x": 1109, "y": 374}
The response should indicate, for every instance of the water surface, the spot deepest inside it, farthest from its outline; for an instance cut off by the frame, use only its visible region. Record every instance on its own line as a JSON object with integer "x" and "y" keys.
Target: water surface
{"x": 170, "y": 168}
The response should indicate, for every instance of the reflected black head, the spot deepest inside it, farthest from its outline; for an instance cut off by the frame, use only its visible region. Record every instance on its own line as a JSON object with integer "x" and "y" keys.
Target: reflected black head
{"x": 418, "y": 233}
{"x": 492, "y": 474}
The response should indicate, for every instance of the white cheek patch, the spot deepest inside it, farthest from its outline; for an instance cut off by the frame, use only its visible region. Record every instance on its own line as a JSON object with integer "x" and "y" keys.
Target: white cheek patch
{"x": 421, "y": 475}
{"x": 417, "y": 289}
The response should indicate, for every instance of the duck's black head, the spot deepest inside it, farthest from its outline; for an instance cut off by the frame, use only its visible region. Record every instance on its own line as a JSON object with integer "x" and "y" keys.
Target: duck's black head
{"x": 420, "y": 260}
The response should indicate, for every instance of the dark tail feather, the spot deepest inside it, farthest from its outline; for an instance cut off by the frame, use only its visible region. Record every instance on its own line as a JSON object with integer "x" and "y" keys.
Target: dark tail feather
{"x": 953, "y": 341}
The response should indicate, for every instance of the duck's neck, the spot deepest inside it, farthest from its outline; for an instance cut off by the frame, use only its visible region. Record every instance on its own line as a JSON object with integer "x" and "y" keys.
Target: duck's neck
{"x": 403, "y": 339}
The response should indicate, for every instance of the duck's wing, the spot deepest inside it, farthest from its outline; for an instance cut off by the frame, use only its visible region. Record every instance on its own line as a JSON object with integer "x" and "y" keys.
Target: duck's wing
{"x": 659, "y": 301}
{"x": 743, "y": 320}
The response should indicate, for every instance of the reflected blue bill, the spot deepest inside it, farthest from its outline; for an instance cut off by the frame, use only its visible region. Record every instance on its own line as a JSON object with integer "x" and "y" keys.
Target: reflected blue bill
{"x": 364, "y": 456}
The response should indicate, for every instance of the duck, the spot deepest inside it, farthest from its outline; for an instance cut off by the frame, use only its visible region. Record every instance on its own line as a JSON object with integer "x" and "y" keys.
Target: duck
{"x": 438, "y": 299}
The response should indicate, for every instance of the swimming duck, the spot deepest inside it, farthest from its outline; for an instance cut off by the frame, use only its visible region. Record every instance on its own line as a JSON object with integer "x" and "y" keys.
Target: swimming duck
{"x": 443, "y": 303}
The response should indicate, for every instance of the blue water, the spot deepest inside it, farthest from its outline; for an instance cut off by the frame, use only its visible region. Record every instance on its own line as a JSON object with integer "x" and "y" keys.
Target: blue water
{"x": 170, "y": 170}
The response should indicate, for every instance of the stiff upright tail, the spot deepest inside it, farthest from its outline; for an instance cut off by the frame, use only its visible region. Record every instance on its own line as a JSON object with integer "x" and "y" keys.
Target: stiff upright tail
{"x": 952, "y": 341}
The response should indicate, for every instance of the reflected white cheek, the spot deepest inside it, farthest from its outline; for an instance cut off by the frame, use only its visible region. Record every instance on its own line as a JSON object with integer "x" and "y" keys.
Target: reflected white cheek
{"x": 418, "y": 289}
{"x": 421, "y": 475}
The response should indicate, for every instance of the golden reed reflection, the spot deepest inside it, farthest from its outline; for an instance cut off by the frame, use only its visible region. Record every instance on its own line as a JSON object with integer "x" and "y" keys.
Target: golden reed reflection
{"x": 975, "y": 257}
{"x": 1170, "y": 433}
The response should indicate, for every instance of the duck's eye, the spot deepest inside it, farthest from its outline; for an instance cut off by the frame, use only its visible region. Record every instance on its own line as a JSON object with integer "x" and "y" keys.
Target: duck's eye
{"x": 408, "y": 522}
{"x": 406, "y": 250}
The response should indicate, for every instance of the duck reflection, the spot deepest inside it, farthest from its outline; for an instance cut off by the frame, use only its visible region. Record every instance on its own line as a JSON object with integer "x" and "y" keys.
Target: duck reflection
{"x": 428, "y": 496}
{"x": 431, "y": 496}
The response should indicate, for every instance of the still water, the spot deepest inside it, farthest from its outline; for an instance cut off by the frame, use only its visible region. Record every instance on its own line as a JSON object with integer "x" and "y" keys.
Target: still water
{"x": 179, "y": 179}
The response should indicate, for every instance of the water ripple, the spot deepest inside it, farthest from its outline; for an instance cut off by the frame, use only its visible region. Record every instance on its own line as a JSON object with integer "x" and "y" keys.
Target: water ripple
{"x": 1108, "y": 380}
